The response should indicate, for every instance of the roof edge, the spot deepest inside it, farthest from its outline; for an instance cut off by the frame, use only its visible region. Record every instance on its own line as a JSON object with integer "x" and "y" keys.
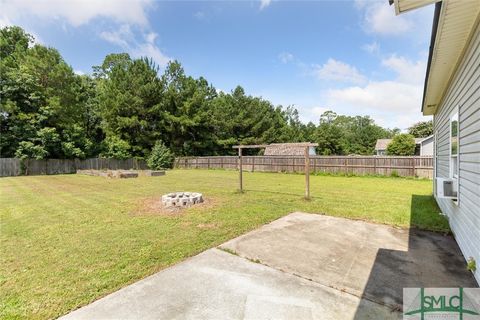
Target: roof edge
{"x": 426, "y": 138}
{"x": 436, "y": 18}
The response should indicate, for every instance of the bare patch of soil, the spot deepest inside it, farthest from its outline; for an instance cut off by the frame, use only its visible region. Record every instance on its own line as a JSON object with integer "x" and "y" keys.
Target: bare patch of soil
{"x": 207, "y": 225}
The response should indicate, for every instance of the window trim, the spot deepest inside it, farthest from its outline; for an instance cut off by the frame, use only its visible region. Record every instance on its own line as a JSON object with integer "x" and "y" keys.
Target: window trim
{"x": 435, "y": 155}
{"x": 454, "y": 175}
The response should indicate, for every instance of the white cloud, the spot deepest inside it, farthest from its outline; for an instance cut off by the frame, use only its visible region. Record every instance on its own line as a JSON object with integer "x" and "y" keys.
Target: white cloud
{"x": 125, "y": 38}
{"x": 382, "y": 95}
{"x": 120, "y": 37}
{"x": 129, "y": 18}
{"x": 264, "y": 4}
{"x": 5, "y": 22}
{"x": 379, "y": 17}
{"x": 393, "y": 102}
{"x": 200, "y": 15}
{"x": 407, "y": 71}
{"x": 318, "y": 111}
{"x": 373, "y": 48}
{"x": 79, "y": 72}
{"x": 78, "y": 12}
{"x": 149, "y": 49}
{"x": 285, "y": 57}
{"x": 338, "y": 71}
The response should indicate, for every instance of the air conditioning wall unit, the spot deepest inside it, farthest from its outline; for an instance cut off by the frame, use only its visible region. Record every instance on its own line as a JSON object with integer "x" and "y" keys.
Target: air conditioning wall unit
{"x": 447, "y": 188}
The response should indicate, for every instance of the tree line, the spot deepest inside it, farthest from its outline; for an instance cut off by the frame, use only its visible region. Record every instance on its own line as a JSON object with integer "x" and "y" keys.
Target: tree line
{"x": 127, "y": 106}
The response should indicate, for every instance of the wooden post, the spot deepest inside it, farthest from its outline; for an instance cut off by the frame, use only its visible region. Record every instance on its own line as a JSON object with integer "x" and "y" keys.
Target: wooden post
{"x": 208, "y": 163}
{"x": 374, "y": 165}
{"x": 413, "y": 166}
{"x": 253, "y": 164}
{"x": 307, "y": 173}
{"x": 240, "y": 169}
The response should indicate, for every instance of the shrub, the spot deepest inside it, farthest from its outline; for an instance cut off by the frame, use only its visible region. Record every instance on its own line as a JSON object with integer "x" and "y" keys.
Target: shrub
{"x": 28, "y": 149}
{"x": 116, "y": 148}
{"x": 161, "y": 157}
{"x": 401, "y": 145}
{"x": 394, "y": 174}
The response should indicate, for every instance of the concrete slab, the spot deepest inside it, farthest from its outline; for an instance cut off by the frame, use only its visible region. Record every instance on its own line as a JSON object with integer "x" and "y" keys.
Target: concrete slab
{"x": 310, "y": 267}
{"x": 218, "y": 285}
{"x": 367, "y": 260}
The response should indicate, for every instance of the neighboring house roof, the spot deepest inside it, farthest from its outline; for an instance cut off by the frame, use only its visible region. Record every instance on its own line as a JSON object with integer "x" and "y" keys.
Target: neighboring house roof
{"x": 285, "y": 149}
{"x": 383, "y": 143}
{"x": 426, "y": 138}
{"x": 453, "y": 27}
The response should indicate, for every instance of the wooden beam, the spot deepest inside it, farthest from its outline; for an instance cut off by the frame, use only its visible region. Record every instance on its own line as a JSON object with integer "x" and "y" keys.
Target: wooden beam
{"x": 306, "y": 145}
{"x": 300, "y": 144}
{"x": 253, "y": 146}
{"x": 307, "y": 173}
{"x": 240, "y": 167}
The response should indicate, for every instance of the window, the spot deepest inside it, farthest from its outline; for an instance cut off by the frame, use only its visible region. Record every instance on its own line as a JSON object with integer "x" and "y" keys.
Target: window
{"x": 454, "y": 146}
{"x": 454, "y": 151}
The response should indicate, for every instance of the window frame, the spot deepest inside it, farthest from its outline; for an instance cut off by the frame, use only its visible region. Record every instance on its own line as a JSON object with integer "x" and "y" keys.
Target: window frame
{"x": 454, "y": 158}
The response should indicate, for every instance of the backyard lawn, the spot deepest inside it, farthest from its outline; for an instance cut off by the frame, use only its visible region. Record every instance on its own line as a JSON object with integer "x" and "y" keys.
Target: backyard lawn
{"x": 67, "y": 240}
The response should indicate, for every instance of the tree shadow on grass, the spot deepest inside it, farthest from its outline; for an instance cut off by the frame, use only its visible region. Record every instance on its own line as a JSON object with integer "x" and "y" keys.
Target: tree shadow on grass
{"x": 431, "y": 260}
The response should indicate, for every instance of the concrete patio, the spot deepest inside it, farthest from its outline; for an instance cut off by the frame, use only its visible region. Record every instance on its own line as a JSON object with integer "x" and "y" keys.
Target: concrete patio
{"x": 302, "y": 266}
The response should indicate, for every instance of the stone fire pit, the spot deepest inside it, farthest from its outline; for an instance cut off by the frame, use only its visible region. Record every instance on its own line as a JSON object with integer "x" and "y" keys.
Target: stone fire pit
{"x": 181, "y": 199}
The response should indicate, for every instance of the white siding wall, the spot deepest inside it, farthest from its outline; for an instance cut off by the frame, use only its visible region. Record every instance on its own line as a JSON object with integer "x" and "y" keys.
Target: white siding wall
{"x": 464, "y": 94}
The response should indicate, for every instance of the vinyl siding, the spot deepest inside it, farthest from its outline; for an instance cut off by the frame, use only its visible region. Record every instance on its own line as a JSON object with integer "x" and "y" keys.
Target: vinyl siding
{"x": 464, "y": 94}
{"x": 427, "y": 147}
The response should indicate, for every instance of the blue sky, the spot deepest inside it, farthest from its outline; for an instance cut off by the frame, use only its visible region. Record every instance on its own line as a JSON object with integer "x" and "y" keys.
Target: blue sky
{"x": 353, "y": 57}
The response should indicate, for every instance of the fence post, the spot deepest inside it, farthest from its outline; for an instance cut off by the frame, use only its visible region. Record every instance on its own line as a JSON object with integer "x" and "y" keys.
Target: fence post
{"x": 208, "y": 163}
{"x": 413, "y": 166}
{"x": 253, "y": 164}
{"x": 375, "y": 165}
{"x": 221, "y": 162}
{"x": 307, "y": 173}
{"x": 240, "y": 169}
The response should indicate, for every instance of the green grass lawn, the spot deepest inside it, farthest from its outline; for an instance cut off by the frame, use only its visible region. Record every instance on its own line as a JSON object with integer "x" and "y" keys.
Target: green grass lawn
{"x": 67, "y": 240}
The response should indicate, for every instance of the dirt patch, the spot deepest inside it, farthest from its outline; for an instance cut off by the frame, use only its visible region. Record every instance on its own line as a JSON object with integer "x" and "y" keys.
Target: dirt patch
{"x": 154, "y": 206}
{"x": 207, "y": 226}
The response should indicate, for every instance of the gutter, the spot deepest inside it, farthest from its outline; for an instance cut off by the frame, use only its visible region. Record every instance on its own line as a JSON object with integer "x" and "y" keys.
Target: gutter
{"x": 436, "y": 17}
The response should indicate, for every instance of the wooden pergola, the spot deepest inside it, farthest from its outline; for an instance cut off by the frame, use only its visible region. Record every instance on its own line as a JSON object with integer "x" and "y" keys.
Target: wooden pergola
{"x": 306, "y": 145}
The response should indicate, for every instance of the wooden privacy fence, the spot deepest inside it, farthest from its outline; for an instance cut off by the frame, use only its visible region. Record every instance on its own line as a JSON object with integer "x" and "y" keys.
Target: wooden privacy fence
{"x": 16, "y": 167}
{"x": 418, "y": 166}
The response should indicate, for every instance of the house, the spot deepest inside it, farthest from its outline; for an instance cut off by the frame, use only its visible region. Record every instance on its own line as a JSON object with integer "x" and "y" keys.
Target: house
{"x": 287, "y": 149}
{"x": 426, "y": 146}
{"x": 452, "y": 96}
{"x": 423, "y": 146}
